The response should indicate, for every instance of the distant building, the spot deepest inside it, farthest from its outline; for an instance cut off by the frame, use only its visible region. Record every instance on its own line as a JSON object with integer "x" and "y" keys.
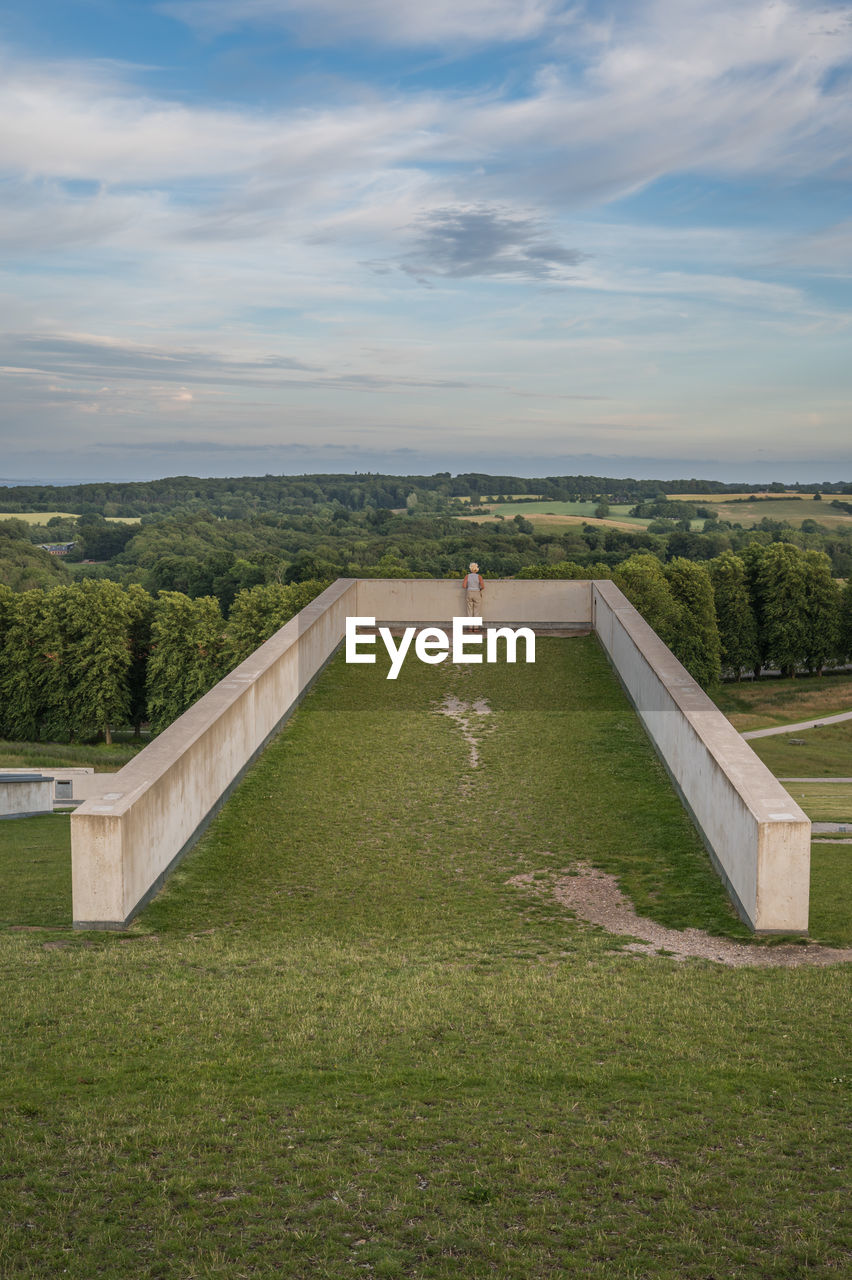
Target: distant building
{"x": 57, "y": 548}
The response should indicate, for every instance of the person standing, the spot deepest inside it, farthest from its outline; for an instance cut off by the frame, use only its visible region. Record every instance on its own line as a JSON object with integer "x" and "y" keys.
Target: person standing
{"x": 473, "y": 588}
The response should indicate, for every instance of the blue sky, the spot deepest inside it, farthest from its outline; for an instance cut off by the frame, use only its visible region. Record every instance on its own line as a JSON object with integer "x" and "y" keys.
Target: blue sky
{"x": 248, "y": 236}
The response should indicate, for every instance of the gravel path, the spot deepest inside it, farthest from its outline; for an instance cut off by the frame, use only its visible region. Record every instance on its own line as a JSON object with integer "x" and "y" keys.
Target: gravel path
{"x": 794, "y": 728}
{"x": 596, "y": 898}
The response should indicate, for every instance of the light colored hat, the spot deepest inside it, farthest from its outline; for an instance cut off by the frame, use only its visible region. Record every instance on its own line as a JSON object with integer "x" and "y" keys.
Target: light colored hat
{"x": 474, "y": 566}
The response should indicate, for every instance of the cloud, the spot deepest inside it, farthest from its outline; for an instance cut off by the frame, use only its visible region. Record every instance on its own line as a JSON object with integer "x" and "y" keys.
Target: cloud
{"x": 94, "y": 356}
{"x": 75, "y": 357}
{"x": 387, "y": 22}
{"x": 462, "y": 243}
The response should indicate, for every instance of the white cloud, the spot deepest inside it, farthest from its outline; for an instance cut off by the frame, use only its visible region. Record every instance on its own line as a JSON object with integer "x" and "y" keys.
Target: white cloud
{"x": 399, "y": 22}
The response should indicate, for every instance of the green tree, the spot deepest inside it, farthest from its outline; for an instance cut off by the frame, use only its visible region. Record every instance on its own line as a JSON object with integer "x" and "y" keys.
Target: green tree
{"x": 99, "y": 619}
{"x": 822, "y": 610}
{"x": 257, "y": 613}
{"x": 186, "y": 654}
{"x": 845, "y": 625}
{"x": 643, "y": 581}
{"x": 696, "y": 641}
{"x": 734, "y": 614}
{"x": 21, "y": 683}
{"x": 778, "y": 583}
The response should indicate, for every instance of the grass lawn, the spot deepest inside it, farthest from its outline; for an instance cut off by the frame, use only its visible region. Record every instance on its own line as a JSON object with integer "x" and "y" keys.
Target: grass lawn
{"x": 824, "y": 801}
{"x": 341, "y": 1043}
{"x": 815, "y": 753}
{"x": 762, "y": 704}
{"x": 53, "y": 755}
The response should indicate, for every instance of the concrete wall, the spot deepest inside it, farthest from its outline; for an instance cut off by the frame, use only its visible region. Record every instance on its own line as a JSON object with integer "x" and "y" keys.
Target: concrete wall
{"x": 84, "y": 782}
{"x": 125, "y": 842}
{"x": 549, "y": 604}
{"x": 757, "y": 836}
{"x": 22, "y": 793}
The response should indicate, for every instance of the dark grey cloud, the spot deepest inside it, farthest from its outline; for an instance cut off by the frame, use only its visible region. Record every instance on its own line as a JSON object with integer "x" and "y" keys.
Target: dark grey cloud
{"x": 86, "y": 358}
{"x": 459, "y": 243}
{"x": 94, "y": 357}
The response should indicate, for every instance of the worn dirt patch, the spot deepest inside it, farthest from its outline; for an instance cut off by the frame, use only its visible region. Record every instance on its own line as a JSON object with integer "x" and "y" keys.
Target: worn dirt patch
{"x": 469, "y": 718}
{"x": 596, "y": 898}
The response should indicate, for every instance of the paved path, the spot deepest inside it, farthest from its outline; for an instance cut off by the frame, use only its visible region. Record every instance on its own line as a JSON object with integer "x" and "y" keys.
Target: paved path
{"x": 815, "y": 779}
{"x": 824, "y": 828}
{"x": 794, "y": 728}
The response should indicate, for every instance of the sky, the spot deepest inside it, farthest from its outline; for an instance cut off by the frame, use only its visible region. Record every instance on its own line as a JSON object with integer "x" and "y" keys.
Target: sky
{"x": 241, "y": 237}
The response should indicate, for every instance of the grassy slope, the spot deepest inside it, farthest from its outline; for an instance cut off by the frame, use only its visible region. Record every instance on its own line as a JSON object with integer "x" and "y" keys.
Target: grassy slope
{"x": 53, "y": 755}
{"x": 764, "y": 703}
{"x": 814, "y": 753}
{"x": 341, "y": 1044}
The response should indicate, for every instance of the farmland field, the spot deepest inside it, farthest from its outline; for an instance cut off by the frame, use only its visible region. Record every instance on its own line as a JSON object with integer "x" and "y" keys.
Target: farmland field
{"x": 42, "y": 517}
{"x": 791, "y": 510}
{"x": 348, "y": 1039}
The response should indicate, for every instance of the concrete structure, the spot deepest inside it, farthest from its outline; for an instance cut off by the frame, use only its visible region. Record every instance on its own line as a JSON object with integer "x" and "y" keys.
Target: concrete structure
{"x": 71, "y": 785}
{"x": 25, "y": 794}
{"x": 125, "y": 843}
{"x": 757, "y": 836}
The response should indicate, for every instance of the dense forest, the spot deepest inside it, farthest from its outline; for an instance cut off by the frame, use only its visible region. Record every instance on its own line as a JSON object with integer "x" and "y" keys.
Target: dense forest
{"x": 141, "y": 617}
{"x": 248, "y": 495}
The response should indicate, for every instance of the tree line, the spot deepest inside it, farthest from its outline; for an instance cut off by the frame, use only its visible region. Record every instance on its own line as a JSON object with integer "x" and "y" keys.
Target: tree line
{"x": 78, "y": 660}
{"x": 774, "y": 606}
{"x": 239, "y": 497}
{"x": 81, "y": 660}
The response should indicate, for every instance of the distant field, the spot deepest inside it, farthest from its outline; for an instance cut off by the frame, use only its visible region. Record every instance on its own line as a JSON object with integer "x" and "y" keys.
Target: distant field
{"x": 751, "y": 513}
{"x": 510, "y": 496}
{"x": 704, "y": 498}
{"x": 765, "y": 703}
{"x": 37, "y": 517}
{"x": 42, "y": 517}
{"x": 557, "y": 514}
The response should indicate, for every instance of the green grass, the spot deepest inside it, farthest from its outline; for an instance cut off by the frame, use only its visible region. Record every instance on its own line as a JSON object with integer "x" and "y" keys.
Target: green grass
{"x": 791, "y": 510}
{"x": 816, "y": 753}
{"x": 535, "y": 510}
{"x": 823, "y": 801}
{"x": 47, "y": 755}
{"x": 341, "y": 1044}
{"x": 831, "y": 902}
{"x": 762, "y": 704}
{"x": 35, "y": 871}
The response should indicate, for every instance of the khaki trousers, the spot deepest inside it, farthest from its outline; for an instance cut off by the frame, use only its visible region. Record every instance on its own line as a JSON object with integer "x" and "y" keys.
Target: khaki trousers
{"x": 474, "y": 604}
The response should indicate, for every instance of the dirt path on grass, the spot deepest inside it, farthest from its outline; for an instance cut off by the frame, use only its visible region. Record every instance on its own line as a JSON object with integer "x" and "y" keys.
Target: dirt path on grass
{"x": 468, "y": 716}
{"x": 596, "y": 898}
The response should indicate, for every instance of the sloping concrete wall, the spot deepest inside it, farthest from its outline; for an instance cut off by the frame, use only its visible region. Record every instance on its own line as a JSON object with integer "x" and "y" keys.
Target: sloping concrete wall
{"x": 757, "y": 836}
{"x": 125, "y": 842}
